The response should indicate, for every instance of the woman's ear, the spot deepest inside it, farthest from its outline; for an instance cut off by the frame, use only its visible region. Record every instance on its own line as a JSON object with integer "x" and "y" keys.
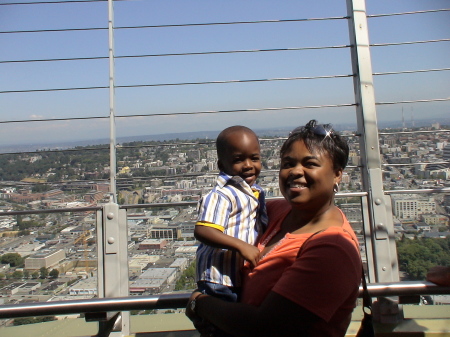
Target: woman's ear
{"x": 338, "y": 177}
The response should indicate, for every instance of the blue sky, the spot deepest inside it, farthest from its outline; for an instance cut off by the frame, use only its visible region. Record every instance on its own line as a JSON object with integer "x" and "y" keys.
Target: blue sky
{"x": 181, "y": 69}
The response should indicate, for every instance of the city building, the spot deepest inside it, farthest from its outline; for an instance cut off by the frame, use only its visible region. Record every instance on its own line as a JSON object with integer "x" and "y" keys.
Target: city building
{"x": 46, "y": 259}
{"x": 153, "y": 280}
{"x": 152, "y": 244}
{"x": 410, "y": 207}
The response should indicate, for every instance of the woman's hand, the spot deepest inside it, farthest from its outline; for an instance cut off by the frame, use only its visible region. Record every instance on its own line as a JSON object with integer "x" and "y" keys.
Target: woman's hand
{"x": 203, "y": 326}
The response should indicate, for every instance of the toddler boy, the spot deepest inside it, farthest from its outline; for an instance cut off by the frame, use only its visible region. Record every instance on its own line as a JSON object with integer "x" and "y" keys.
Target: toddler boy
{"x": 231, "y": 215}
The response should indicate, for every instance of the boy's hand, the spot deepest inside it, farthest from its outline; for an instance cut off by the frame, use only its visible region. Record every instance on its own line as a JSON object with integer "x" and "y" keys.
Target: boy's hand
{"x": 250, "y": 253}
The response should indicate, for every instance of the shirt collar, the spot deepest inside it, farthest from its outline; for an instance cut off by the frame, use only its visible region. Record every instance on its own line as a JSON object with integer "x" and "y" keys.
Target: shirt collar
{"x": 224, "y": 179}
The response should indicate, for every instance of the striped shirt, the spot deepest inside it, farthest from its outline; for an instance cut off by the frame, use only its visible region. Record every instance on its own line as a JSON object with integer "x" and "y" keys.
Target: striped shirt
{"x": 231, "y": 206}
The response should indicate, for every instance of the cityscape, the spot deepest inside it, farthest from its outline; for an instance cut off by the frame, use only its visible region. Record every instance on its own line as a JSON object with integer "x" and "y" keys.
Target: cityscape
{"x": 53, "y": 256}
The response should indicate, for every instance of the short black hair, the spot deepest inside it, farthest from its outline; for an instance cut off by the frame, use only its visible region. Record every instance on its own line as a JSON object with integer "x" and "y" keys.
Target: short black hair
{"x": 321, "y": 138}
{"x": 222, "y": 138}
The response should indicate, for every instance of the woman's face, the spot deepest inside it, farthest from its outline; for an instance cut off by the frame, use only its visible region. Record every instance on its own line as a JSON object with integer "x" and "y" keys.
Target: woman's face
{"x": 307, "y": 178}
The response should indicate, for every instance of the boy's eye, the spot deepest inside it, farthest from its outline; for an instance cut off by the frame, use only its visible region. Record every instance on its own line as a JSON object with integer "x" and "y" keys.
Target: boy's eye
{"x": 286, "y": 164}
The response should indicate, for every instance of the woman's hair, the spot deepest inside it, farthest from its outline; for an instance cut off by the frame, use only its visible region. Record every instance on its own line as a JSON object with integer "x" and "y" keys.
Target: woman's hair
{"x": 321, "y": 138}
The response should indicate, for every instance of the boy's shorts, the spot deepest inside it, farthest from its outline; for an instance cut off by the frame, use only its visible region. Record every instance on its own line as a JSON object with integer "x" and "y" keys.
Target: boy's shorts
{"x": 230, "y": 294}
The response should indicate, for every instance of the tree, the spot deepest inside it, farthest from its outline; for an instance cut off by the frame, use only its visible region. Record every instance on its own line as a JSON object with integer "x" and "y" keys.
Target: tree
{"x": 26, "y": 274}
{"x": 43, "y": 273}
{"x": 54, "y": 273}
{"x": 35, "y": 275}
{"x": 13, "y": 259}
{"x": 417, "y": 256}
{"x": 32, "y": 320}
{"x": 18, "y": 275}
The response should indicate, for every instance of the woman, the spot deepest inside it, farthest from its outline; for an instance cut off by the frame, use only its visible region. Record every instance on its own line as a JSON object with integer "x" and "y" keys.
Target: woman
{"x": 297, "y": 290}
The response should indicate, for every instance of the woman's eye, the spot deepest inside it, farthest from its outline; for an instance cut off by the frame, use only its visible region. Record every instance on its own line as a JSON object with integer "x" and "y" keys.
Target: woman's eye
{"x": 310, "y": 164}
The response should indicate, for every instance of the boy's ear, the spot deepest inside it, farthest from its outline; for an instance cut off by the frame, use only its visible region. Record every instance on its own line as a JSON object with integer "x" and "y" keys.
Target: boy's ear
{"x": 219, "y": 165}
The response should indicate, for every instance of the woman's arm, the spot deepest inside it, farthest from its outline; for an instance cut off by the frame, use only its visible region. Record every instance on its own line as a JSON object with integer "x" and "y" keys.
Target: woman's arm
{"x": 215, "y": 238}
{"x": 312, "y": 290}
{"x": 277, "y": 316}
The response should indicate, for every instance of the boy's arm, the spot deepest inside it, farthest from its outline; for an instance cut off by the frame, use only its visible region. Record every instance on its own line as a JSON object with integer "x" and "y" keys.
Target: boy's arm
{"x": 215, "y": 238}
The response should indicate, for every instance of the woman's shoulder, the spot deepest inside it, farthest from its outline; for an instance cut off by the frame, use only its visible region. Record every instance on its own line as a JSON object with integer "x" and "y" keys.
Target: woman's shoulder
{"x": 337, "y": 235}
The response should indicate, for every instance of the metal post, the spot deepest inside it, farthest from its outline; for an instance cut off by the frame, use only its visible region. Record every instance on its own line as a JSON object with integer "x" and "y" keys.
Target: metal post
{"x": 115, "y": 262}
{"x": 381, "y": 225}
{"x": 112, "y": 121}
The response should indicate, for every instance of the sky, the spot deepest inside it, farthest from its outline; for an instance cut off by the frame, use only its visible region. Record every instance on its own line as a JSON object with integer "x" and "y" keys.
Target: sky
{"x": 172, "y": 99}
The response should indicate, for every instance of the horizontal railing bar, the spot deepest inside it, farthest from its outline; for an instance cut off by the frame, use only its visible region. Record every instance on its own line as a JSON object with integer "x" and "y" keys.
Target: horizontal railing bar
{"x": 136, "y": 206}
{"x": 407, "y": 13}
{"x": 94, "y": 305}
{"x": 52, "y": 210}
{"x": 178, "y": 54}
{"x": 172, "y": 25}
{"x": 413, "y": 131}
{"x": 194, "y": 203}
{"x": 418, "y": 163}
{"x": 170, "y": 204}
{"x": 410, "y": 71}
{"x": 420, "y": 191}
{"x": 351, "y": 194}
{"x": 405, "y": 288}
{"x": 415, "y": 101}
{"x": 169, "y": 301}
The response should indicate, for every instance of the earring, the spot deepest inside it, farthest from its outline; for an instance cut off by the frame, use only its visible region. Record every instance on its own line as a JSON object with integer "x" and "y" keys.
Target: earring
{"x": 336, "y": 188}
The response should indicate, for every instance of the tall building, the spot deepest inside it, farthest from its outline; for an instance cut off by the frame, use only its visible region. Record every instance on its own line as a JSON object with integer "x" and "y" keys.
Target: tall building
{"x": 408, "y": 207}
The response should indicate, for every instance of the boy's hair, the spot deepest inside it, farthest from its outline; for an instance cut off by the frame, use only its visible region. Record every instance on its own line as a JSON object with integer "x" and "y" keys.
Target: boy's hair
{"x": 222, "y": 138}
{"x": 322, "y": 138}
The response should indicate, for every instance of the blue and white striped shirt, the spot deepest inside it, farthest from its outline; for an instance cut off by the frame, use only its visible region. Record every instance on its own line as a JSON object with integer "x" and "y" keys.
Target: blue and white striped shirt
{"x": 230, "y": 205}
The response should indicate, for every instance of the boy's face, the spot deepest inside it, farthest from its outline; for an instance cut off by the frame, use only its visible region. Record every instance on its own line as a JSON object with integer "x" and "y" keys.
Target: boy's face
{"x": 242, "y": 157}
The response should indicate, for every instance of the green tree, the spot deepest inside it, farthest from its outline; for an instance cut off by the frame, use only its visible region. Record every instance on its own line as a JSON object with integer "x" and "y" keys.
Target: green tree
{"x": 35, "y": 275}
{"x": 54, "y": 273}
{"x": 33, "y": 320}
{"x": 18, "y": 275}
{"x": 43, "y": 272}
{"x": 187, "y": 279}
{"x": 26, "y": 274}
{"x": 417, "y": 256}
{"x": 13, "y": 259}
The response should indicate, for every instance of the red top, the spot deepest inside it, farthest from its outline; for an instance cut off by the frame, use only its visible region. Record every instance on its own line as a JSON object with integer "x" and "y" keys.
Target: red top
{"x": 324, "y": 279}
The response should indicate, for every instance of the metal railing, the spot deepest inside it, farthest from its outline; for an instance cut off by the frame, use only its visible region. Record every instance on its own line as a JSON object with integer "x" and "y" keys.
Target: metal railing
{"x": 169, "y": 301}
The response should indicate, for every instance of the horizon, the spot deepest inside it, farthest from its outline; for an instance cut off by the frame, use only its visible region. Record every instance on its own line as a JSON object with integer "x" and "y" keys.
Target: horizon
{"x": 278, "y": 131}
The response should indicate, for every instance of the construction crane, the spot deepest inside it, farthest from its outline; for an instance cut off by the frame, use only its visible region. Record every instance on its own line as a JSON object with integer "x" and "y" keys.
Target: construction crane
{"x": 83, "y": 238}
